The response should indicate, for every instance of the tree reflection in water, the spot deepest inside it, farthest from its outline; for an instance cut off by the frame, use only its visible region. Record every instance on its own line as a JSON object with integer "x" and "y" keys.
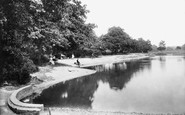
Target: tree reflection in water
{"x": 79, "y": 92}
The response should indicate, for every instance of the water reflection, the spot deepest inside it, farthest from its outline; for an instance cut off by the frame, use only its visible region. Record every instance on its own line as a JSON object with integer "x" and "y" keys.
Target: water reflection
{"x": 151, "y": 85}
{"x": 162, "y": 60}
{"x": 79, "y": 93}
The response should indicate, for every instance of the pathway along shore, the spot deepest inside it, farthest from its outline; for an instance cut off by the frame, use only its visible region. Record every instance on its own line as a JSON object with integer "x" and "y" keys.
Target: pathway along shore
{"x": 53, "y": 75}
{"x": 70, "y": 71}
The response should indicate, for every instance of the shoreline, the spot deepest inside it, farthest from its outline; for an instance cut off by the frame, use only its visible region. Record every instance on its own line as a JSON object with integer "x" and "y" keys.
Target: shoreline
{"x": 87, "y": 62}
{"x": 72, "y": 71}
{"x": 53, "y": 75}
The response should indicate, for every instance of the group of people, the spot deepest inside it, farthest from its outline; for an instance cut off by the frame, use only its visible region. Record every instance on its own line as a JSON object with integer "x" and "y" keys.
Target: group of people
{"x": 52, "y": 60}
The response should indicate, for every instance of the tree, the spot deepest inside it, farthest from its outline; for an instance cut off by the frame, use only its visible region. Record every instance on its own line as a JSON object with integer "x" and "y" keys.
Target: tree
{"x": 170, "y": 48}
{"x": 183, "y": 47}
{"x": 69, "y": 18}
{"x": 162, "y": 45}
{"x": 30, "y": 31}
{"x": 16, "y": 19}
{"x": 117, "y": 32}
{"x": 144, "y": 46}
{"x": 116, "y": 40}
{"x": 178, "y": 48}
{"x": 154, "y": 47}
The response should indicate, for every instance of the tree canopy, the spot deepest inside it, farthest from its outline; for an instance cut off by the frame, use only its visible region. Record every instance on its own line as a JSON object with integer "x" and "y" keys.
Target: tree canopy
{"x": 118, "y": 41}
{"x": 31, "y": 31}
{"x": 162, "y": 45}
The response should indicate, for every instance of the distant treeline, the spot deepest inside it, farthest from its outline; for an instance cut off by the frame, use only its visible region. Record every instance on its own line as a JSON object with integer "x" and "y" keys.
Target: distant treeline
{"x": 33, "y": 31}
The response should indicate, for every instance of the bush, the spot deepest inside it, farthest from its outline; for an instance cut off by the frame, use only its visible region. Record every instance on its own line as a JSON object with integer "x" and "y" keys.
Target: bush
{"x": 39, "y": 59}
{"x": 16, "y": 68}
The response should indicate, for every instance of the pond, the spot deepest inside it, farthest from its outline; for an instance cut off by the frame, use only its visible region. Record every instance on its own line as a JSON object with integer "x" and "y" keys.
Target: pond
{"x": 155, "y": 85}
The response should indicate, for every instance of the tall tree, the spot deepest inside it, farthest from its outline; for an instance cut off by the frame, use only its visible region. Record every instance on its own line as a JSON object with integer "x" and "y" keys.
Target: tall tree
{"x": 116, "y": 39}
{"x": 69, "y": 18}
{"x": 162, "y": 45}
{"x": 15, "y": 21}
{"x": 154, "y": 47}
{"x": 31, "y": 30}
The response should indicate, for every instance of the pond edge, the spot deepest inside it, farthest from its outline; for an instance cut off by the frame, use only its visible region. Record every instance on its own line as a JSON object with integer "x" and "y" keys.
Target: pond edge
{"x": 19, "y": 107}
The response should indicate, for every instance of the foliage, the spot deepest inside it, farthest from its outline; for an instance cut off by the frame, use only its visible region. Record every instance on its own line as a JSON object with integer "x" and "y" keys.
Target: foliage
{"x": 178, "y": 48}
{"x": 183, "y": 47}
{"x": 154, "y": 48}
{"x": 118, "y": 41}
{"x": 15, "y": 20}
{"x": 144, "y": 46}
{"x": 31, "y": 31}
{"x": 162, "y": 45}
{"x": 170, "y": 48}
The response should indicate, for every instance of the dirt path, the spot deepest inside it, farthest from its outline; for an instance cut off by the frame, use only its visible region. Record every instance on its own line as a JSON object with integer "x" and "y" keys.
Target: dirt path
{"x": 85, "y": 62}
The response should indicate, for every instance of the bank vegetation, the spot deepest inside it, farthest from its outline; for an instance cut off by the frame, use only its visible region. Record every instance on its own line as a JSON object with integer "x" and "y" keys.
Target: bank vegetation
{"x": 34, "y": 31}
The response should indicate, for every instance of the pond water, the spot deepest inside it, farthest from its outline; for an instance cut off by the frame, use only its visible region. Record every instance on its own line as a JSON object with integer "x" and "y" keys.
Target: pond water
{"x": 155, "y": 85}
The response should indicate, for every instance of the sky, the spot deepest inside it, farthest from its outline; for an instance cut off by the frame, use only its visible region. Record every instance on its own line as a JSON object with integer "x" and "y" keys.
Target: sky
{"x": 153, "y": 20}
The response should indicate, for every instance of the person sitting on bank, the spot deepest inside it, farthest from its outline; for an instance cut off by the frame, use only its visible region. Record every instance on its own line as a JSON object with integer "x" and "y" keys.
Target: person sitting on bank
{"x": 78, "y": 63}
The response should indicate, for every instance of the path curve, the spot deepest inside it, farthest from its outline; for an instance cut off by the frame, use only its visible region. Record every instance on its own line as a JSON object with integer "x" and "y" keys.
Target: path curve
{"x": 19, "y": 107}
